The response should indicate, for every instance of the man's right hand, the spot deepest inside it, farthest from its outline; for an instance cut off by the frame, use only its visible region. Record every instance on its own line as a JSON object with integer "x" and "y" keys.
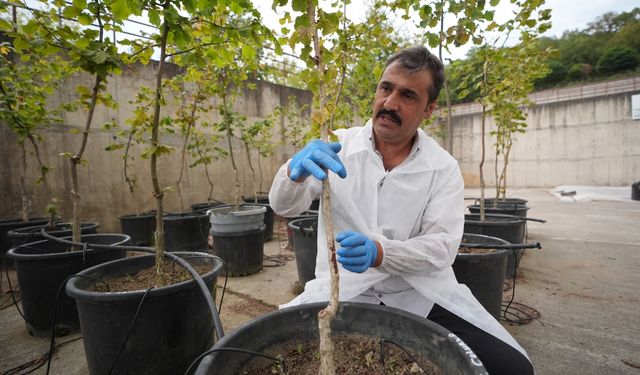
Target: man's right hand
{"x": 312, "y": 160}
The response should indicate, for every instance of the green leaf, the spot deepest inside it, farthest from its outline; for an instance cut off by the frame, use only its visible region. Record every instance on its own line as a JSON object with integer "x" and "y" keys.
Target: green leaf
{"x": 154, "y": 17}
{"x": 84, "y": 19}
{"x": 80, "y": 4}
{"x": 115, "y": 146}
{"x": 120, "y": 9}
{"x": 248, "y": 52}
{"x": 71, "y": 12}
{"x": 4, "y": 25}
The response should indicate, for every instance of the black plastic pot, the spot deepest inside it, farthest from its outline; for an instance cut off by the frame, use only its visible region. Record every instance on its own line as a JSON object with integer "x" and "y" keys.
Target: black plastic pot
{"x": 42, "y": 266}
{"x": 295, "y": 325}
{"x": 303, "y": 215}
{"x": 7, "y": 225}
{"x": 315, "y": 205}
{"x": 490, "y": 201}
{"x": 242, "y": 251}
{"x": 502, "y": 209}
{"x": 510, "y": 228}
{"x": 483, "y": 273}
{"x": 305, "y": 242}
{"x": 172, "y": 328}
{"x": 33, "y": 234}
{"x": 635, "y": 191}
{"x": 187, "y": 232}
{"x": 269, "y": 215}
{"x": 139, "y": 227}
{"x": 206, "y": 205}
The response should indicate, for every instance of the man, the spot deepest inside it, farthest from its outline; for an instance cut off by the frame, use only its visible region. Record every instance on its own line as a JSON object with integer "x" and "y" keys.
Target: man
{"x": 398, "y": 208}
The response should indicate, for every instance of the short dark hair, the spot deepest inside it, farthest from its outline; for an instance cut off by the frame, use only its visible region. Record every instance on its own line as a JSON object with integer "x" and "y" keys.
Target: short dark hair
{"x": 415, "y": 59}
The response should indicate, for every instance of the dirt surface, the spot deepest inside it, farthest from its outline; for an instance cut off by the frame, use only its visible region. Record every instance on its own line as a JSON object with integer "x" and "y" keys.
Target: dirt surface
{"x": 146, "y": 278}
{"x": 353, "y": 355}
{"x": 473, "y": 250}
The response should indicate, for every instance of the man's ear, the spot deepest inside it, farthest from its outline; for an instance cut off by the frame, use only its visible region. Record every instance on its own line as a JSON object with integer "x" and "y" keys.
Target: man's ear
{"x": 429, "y": 110}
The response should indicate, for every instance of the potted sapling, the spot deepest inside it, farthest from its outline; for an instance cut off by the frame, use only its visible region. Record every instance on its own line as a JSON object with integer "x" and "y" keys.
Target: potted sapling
{"x": 153, "y": 318}
{"x": 41, "y": 267}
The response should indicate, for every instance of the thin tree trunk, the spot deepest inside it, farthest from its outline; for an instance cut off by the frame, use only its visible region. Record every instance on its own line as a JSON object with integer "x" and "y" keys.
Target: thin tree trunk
{"x": 495, "y": 171}
{"x": 260, "y": 173}
{"x": 236, "y": 198}
{"x": 23, "y": 185}
{"x": 157, "y": 191}
{"x": 326, "y": 315}
{"x": 183, "y": 157}
{"x": 449, "y": 134}
{"x": 485, "y": 67}
{"x": 77, "y": 159}
{"x": 253, "y": 173}
{"x": 130, "y": 182}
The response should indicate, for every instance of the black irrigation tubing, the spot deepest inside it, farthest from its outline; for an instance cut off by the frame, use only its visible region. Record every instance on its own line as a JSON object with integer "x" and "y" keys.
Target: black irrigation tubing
{"x": 52, "y": 342}
{"x": 239, "y": 350}
{"x": 513, "y": 288}
{"x": 383, "y": 341}
{"x": 535, "y": 245}
{"x": 133, "y": 323}
{"x": 15, "y": 302}
{"x": 203, "y": 287}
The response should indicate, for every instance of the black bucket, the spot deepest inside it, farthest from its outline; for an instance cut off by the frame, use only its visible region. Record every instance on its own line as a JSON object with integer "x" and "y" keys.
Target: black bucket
{"x": 269, "y": 215}
{"x": 242, "y": 252}
{"x": 139, "y": 227}
{"x": 635, "y": 191}
{"x": 489, "y": 201}
{"x": 33, "y": 234}
{"x": 173, "y": 326}
{"x": 42, "y": 266}
{"x": 483, "y": 273}
{"x": 501, "y": 208}
{"x": 298, "y": 324}
{"x": 303, "y": 215}
{"x": 510, "y": 228}
{"x": 187, "y": 231}
{"x": 7, "y": 225}
{"x": 315, "y": 205}
{"x": 305, "y": 242}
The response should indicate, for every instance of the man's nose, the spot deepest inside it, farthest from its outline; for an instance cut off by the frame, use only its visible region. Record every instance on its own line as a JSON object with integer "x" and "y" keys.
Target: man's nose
{"x": 391, "y": 102}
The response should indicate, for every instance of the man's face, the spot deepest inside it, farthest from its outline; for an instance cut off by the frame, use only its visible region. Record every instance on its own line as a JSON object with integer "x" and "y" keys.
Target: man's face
{"x": 401, "y": 103}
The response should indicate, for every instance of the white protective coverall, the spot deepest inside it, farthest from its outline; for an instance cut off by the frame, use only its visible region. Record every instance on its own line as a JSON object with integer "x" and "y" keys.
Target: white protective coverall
{"x": 415, "y": 211}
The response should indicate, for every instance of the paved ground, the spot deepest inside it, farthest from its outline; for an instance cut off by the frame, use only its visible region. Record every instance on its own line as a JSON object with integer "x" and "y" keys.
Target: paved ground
{"x": 585, "y": 284}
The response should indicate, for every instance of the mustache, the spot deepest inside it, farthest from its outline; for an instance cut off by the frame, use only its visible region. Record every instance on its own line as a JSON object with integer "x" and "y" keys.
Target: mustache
{"x": 392, "y": 114}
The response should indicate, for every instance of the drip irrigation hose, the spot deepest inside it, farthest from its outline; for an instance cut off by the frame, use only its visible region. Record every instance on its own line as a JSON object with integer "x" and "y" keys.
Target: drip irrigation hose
{"x": 133, "y": 323}
{"x": 280, "y": 361}
{"x": 212, "y": 307}
{"x": 513, "y": 287}
{"x": 52, "y": 342}
{"x": 535, "y": 245}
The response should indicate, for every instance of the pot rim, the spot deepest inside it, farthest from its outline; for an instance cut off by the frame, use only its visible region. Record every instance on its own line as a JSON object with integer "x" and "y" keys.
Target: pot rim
{"x": 15, "y": 255}
{"x": 75, "y": 292}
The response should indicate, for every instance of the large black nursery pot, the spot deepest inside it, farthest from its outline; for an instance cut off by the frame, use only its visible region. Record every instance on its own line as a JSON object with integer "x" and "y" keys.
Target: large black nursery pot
{"x": 269, "y": 215}
{"x": 33, "y": 234}
{"x": 139, "y": 227}
{"x": 305, "y": 242}
{"x": 501, "y": 208}
{"x": 297, "y": 324}
{"x": 7, "y": 225}
{"x": 203, "y": 206}
{"x": 173, "y": 326}
{"x": 238, "y": 237}
{"x": 510, "y": 228}
{"x": 41, "y": 268}
{"x": 187, "y": 231}
{"x": 303, "y": 215}
{"x": 483, "y": 273}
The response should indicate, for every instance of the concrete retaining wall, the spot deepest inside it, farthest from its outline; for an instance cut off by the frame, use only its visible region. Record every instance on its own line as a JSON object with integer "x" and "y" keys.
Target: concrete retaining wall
{"x": 581, "y": 135}
{"x": 105, "y": 194}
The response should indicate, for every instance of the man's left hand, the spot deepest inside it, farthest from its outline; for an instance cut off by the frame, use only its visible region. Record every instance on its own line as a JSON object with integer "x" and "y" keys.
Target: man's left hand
{"x": 357, "y": 252}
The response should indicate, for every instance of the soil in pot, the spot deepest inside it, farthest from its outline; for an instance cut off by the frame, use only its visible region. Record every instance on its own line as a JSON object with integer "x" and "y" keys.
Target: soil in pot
{"x": 146, "y": 278}
{"x": 353, "y": 354}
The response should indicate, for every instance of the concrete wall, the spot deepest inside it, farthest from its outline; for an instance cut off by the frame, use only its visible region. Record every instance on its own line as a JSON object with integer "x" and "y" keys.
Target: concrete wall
{"x": 105, "y": 195}
{"x": 581, "y": 135}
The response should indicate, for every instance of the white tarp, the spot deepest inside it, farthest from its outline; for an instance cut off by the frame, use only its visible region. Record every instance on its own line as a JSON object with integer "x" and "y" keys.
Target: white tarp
{"x": 578, "y": 193}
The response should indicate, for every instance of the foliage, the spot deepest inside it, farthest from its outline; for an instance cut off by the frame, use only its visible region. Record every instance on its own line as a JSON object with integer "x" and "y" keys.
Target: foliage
{"x": 617, "y": 58}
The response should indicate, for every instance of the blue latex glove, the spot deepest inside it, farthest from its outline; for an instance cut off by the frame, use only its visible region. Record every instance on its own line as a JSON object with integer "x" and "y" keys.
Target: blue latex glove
{"x": 357, "y": 252}
{"x": 315, "y": 156}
